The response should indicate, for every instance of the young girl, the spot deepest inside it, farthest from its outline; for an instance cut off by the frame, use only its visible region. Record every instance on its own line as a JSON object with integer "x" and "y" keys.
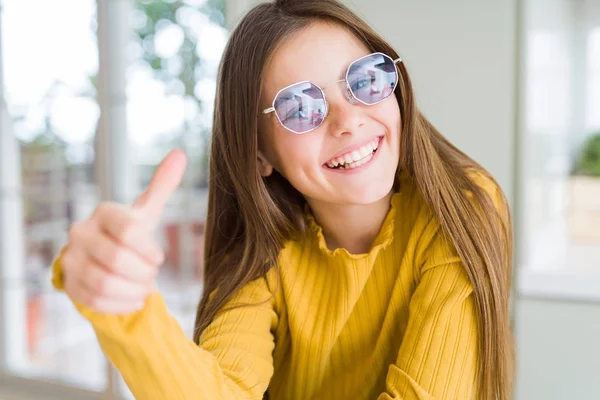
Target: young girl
{"x": 357, "y": 255}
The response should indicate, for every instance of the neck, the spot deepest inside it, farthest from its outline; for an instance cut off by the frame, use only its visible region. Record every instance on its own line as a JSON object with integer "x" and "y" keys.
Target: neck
{"x": 352, "y": 227}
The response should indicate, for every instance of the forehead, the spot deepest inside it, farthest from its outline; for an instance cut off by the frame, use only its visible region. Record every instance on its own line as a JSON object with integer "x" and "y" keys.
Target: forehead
{"x": 319, "y": 53}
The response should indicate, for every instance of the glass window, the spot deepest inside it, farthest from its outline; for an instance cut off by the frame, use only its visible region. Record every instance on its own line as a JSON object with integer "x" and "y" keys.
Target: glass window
{"x": 50, "y": 65}
{"x": 593, "y": 72}
{"x": 175, "y": 51}
{"x": 51, "y": 100}
{"x": 560, "y": 187}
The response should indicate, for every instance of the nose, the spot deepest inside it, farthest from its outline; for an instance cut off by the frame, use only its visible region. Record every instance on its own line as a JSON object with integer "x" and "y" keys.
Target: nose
{"x": 343, "y": 116}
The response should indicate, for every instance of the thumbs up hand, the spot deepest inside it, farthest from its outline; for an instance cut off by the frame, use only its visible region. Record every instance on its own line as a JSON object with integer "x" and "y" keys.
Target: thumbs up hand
{"x": 111, "y": 260}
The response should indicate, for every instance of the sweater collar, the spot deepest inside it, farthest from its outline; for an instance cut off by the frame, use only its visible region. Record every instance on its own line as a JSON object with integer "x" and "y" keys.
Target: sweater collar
{"x": 383, "y": 239}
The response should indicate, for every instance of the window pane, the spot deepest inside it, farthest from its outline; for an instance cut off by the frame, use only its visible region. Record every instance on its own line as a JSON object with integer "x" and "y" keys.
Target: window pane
{"x": 171, "y": 85}
{"x": 51, "y": 98}
{"x": 561, "y": 160}
{"x": 593, "y": 71}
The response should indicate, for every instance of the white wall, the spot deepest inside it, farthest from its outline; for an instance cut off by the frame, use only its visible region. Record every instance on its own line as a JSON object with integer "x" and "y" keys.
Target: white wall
{"x": 559, "y": 350}
{"x": 461, "y": 56}
{"x": 235, "y": 9}
{"x": 558, "y": 340}
{"x": 592, "y": 11}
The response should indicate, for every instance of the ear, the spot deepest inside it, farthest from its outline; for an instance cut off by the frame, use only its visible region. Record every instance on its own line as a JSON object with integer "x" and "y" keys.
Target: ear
{"x": 265, "y": 168}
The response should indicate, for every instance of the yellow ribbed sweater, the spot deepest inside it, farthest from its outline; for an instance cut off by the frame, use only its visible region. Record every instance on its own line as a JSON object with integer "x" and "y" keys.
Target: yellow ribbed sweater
{"x": 395, "y": 323}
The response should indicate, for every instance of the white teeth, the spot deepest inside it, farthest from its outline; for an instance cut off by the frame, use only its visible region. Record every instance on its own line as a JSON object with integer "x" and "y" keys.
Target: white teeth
{"x": 355, "y": 158}
{"x": 359, "y": 163}
{"x": 373, "y": 145}
{"x": 365, "y": 150}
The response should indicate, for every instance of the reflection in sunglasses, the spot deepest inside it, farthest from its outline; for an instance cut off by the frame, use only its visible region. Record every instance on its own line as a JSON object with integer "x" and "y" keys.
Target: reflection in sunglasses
{"x": 302, "y": 107}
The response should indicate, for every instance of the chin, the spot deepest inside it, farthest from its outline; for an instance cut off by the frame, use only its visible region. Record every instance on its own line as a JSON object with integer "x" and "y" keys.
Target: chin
{"x": 371, "y": 194}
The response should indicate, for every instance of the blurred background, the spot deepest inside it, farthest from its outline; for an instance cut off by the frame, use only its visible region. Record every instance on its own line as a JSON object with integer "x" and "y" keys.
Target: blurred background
{"x": 93, "y": 93}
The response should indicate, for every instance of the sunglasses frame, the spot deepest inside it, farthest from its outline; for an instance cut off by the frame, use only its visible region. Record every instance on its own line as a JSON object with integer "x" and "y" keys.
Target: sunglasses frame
{"x": 349, "y": 93}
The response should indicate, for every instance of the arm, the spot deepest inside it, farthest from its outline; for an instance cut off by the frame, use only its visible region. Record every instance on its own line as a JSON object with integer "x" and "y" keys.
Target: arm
{"x": 439, "y": 353}
{"x": 157, "y": 360}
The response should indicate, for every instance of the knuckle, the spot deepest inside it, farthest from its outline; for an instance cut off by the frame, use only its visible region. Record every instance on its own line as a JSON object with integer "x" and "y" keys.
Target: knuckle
{"x": 102, "y": 209}
{"x": 115, "y": 258}
{"x": 103, "y": 287}
{"x": 75, "y": 231}
{"x": 145, "y": 272}
{"x": 66, "y": 259}
{"x": 86, "y": 276}
{"x": 70, "y": 262}
{"x": 89, "y": 275}
{"x": 126, "y": 229}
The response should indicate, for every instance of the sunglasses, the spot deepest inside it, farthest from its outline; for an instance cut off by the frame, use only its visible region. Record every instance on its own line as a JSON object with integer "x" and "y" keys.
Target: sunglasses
{"x": 302, "y": 107}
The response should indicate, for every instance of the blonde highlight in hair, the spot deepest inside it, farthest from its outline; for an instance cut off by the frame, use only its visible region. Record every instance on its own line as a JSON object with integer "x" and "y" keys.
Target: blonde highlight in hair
{"x": 250, "y": 217}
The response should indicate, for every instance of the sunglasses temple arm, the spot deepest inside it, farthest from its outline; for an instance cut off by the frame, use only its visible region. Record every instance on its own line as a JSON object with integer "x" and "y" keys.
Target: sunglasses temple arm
{"x": 267, "y": 111}
{"x": 398, "y": 60}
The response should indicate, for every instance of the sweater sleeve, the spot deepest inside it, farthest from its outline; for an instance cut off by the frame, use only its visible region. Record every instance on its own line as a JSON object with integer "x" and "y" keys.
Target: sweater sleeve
{"x": 157, "y": 360}
{"x": 438, "y": 355}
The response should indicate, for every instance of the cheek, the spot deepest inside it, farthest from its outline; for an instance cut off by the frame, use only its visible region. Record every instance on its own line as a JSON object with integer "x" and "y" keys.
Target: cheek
{"x": 297, "y": 154}
{"x": 391, "y": 114}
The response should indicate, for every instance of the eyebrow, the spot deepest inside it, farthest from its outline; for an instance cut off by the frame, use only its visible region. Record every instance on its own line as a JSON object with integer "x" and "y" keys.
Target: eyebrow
{"x": 342, "y": 74}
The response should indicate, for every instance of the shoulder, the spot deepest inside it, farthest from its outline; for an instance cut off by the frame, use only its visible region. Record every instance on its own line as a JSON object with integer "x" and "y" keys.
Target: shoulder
{"x": 481, "y": 180}
{"x": 491, "y": 188}
{"x": 429, "y": 243}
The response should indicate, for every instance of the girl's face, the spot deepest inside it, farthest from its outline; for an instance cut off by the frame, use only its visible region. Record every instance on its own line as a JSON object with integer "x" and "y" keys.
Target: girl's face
{"x": 321, "y": 53}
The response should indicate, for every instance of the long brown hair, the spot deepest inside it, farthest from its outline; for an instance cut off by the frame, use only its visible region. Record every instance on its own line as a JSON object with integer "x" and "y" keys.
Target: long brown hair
{"x": 249, "y": 217}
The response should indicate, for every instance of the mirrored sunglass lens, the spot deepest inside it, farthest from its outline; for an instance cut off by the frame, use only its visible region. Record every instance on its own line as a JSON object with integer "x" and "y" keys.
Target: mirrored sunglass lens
{"x": 301, "y": 107}
{"x": 373, "y": 78}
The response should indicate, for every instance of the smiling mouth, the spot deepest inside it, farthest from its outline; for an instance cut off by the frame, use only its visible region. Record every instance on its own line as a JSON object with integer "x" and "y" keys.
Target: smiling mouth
{"x": 356, "y": 158}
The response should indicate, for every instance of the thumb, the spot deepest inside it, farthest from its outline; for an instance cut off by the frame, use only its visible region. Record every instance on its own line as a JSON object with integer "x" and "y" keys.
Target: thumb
{"x": 164, "y": 182}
